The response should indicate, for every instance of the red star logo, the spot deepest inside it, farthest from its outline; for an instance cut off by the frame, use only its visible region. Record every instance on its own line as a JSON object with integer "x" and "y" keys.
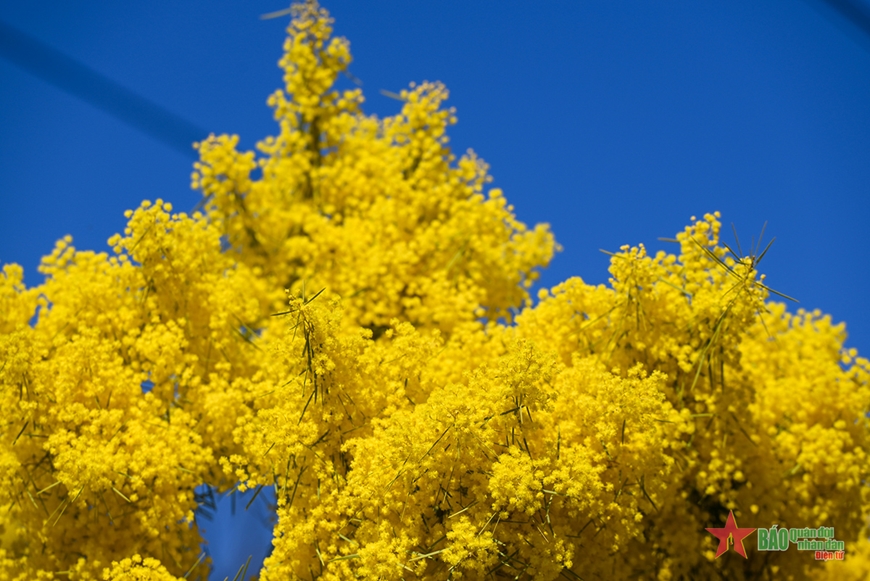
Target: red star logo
{"x": 731, "y": 533}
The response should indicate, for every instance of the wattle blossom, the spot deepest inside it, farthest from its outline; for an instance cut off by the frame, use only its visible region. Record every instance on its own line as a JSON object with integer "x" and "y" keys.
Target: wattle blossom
{"x": 348, "y": 322}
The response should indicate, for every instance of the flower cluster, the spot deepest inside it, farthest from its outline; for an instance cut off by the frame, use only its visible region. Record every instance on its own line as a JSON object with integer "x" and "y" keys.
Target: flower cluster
{"x": 347, "y": 322}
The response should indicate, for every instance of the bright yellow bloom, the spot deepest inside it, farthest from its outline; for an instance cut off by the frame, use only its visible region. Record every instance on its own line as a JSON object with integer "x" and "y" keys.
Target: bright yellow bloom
{"x": 349, "y": 323}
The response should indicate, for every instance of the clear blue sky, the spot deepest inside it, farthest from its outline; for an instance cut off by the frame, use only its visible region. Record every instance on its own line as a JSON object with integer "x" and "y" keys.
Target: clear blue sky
{"x": 613, "y": 121}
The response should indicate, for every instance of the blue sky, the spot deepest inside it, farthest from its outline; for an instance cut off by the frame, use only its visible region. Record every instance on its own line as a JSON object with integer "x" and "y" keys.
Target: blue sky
{"x": 615, "y": 122}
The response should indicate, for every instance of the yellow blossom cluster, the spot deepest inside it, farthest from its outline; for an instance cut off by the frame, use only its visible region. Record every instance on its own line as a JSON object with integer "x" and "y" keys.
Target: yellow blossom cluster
{"x": 378, "y": 211}
{"x": 347, "y": 322}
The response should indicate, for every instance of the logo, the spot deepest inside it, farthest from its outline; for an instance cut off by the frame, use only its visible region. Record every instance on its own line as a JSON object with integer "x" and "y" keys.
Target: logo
{"x": 819, "y": 540}
{"x": 731, "y": 534}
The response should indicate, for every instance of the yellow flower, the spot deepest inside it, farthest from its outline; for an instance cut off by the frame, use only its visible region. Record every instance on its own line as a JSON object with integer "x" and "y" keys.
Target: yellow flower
{"x": 348, "y": 321}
